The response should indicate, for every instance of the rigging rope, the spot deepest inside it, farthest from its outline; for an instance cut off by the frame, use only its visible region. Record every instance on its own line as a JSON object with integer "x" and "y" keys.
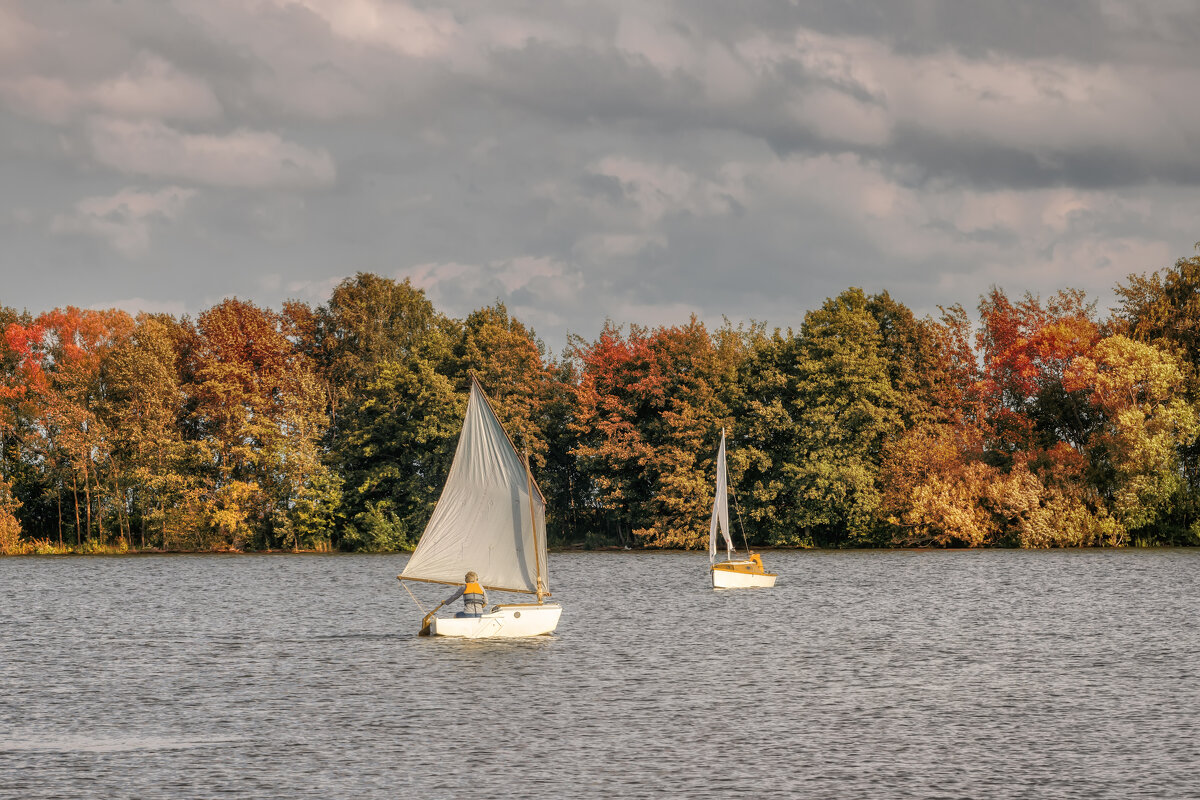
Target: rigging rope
{"x": 414, "y": 597}
{"x": 741, "y": 527}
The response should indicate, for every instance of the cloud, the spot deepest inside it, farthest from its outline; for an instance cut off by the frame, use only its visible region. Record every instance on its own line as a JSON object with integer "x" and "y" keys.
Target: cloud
{"x": 502, "y": 277}
{"x": 154, "y": 89}
{"x": 243, "y": 158}
{"x": 316, "y": 291}
{"x": 15, "y": 35}
{"x": 135, "y": 305}
{"x": 44, "y": 98}
{"x": 619, "y": 159}
{"x": 396, "y": 25}
{"x": 835, "y": 116}
{"x": 658, "y": 190}
{"x": 652, "y": 314}
{"x": 150, "y": 87}
{"x": 989, "y": 118}
{"x": 124, "y": 220}
{"x": 537, "y": 284}
{"x": 606, "y": 247}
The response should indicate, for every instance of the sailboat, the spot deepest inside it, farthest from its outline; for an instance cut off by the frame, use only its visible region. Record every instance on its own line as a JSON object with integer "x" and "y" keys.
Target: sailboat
{"x": 490, "y": 519}
{"x": 731, "y": 574}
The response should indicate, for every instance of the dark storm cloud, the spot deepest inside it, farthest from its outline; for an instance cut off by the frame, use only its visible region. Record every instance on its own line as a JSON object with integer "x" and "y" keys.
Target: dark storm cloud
{"x": 989, "y": 165}
{"x": 1083, "y": 30}
{"x": 626, "y": 160}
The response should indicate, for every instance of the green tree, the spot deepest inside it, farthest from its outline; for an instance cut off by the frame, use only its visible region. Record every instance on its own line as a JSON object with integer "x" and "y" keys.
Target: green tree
{"x": 764, "y": 444}
{"x": 370, "y": 342}
{"x": 400, "y": 434}
{"x": 925, "y": 361}
{"x": 845, "y": 410}
{"x": 369, "y": 321}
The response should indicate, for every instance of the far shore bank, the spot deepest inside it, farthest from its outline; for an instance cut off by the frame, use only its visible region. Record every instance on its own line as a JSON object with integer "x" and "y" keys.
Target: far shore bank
{"x": 112, "y": 552}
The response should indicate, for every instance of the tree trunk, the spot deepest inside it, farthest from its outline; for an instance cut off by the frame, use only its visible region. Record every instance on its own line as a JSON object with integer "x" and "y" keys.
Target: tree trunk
{"x": 58, "y": 495}
{"x": 99, "y": 505}
{"x": 75, "y": 494}
{"x": 122, "y": 523}
{"x": 87, "y": 496}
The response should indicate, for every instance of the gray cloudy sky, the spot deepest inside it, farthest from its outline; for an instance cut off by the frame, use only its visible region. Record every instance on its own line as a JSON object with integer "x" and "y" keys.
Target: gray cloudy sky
{"x": 583, "y": 160}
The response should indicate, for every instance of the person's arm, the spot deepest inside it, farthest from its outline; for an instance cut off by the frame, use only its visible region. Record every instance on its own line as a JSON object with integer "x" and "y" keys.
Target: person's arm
{"x": 485, "y": 597}
{"x": 457, "y": 594}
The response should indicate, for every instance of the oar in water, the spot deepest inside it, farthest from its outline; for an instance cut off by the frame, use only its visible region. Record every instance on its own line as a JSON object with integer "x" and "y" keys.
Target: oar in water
{"x": 425, "y": 623}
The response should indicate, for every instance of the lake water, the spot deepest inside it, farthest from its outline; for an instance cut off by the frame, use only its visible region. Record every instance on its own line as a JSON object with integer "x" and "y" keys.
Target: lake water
{"x": 861, "y": 675}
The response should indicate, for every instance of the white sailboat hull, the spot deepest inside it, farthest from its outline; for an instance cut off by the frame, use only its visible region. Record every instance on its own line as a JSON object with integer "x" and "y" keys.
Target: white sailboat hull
{"x": 503, "y": 622}
{"x": 728, "y": 579}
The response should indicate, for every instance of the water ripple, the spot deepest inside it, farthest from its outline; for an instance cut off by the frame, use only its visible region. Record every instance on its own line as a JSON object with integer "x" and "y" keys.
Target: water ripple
{"x": 875, "y": 674}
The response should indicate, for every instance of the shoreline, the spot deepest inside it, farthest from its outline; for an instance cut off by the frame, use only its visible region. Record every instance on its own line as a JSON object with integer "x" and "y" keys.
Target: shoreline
{"x": 132, "y": 552}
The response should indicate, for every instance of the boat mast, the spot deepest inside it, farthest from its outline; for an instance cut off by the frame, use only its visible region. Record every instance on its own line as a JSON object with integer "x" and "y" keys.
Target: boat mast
{"x": 537, "y": 550}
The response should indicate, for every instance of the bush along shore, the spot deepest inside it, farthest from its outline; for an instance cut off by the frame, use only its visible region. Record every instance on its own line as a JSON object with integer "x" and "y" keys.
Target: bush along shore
{"x": 1030, "y": 422}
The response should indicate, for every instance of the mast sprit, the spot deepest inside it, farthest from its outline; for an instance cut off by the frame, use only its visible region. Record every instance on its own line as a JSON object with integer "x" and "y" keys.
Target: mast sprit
{"x": 537, "y": 548}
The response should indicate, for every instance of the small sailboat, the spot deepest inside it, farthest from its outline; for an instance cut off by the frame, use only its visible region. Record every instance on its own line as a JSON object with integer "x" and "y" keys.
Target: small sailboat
{"x": 731, "y": 574}
{"x": 490, "y": 519}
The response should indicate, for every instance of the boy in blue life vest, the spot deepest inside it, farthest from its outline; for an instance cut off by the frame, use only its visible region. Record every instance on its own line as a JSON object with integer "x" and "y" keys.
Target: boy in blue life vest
{"x": 474, "y": 597}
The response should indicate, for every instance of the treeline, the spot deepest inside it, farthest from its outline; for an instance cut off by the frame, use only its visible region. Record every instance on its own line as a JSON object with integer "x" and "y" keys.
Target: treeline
{"x": 1038, "y": 424}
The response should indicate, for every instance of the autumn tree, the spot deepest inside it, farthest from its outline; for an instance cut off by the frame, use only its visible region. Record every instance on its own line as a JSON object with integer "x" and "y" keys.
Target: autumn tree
{"x": 12, "y": 400}
{"x": 11, "y": 393}
{"x": 1163, "y": 309}
{"x": 647, "y": 423}
{"x": 1026, "y": 348}
{"x": 60, "y": 354}
{"x": 258, "y": 415}
{"x": 143, "y": 409}
{"x": 533, "y": 398}
{"x": 1145, "y": 421}
{"x": 934, "y": 487}
{"x": 511, "y": 363}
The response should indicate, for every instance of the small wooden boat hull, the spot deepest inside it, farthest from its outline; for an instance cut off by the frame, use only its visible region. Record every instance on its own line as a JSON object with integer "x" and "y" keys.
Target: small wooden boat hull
{"x": 502, "y": 622}
{"x": 740, "y": 579}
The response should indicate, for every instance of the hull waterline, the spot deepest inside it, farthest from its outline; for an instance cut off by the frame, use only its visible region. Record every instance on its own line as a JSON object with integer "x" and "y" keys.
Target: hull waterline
{"x": 729, "y": 579}
{"x": 503, "y": 622}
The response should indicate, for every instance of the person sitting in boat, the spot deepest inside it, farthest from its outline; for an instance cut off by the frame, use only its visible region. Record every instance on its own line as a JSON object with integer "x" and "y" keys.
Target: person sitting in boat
{"x": 474, "y": 597}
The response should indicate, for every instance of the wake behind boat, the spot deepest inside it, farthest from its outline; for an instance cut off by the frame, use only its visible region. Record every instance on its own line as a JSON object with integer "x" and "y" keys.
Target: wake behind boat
{"x": 731, "y": 574}
{"x": 491, "y": 520}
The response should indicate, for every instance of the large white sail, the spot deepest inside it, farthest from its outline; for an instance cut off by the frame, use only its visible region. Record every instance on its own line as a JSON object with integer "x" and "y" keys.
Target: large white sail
{"x": 720, "y": 511}
{"x": 483, "y": 520}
